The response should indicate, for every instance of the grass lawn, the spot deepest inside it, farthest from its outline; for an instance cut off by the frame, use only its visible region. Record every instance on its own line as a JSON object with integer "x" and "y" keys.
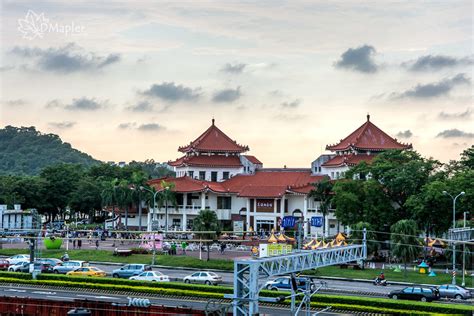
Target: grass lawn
{"x": 107, "y": 256}
{"x": 411, "y": 276}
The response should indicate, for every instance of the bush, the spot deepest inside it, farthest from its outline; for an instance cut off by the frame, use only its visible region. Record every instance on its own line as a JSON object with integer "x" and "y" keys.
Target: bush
{"x": 139, "y": 251}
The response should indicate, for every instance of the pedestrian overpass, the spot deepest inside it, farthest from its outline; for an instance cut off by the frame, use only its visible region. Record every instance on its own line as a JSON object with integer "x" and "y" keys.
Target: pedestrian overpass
{"x": 250, "y": 275}
{"x": 465, "y": 234}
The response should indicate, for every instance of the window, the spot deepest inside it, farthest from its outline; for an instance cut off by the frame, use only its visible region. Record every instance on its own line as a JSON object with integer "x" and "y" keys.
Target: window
{"x": 408, "y": 290}
{"x": 191, "y": 174}
{"x": 337, "y": 174}
{"x": 214, "y": 176}
{"x": 224, "y": 202}
{"x": 202, "y": 175}
{"x": 225, "y": 175}
{"x": 332, "y": 174}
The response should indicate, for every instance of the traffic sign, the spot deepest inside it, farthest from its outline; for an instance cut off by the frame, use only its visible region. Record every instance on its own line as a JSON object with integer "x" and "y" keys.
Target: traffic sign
{"x": 317, "y": 221}
{"x": 288, "y": 221}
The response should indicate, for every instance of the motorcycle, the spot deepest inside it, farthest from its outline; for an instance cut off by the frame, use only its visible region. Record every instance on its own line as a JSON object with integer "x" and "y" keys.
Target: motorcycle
{"x": 378, "y": 281}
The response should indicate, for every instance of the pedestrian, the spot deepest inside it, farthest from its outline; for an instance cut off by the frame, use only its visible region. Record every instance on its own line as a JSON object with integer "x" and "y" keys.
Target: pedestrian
{"x": 73, "y": 243}
{"x": 97, "y": 244}
{"x": 183, "y": 247}
{"x": 173, "y": 248}
{"x": 79, "y": 243}
{"x": 222, "y": 248}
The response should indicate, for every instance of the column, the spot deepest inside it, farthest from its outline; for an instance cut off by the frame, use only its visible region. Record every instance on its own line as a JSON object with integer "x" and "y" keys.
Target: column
{"x": 255, "y": 215}
{"x": 275, "y": 211}
{"x": 185, "y": 211}
{"x": 326, "y": 225}
{"x": 203, "y": 201}
{"x": 247, "y": 214}
{"x": 305, "y": 216}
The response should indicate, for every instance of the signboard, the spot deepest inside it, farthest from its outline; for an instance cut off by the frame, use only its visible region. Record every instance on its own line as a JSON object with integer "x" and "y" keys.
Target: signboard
{"x": 155, "y": 225}
{"x": 317, "y": 221}
{"x": 265, "y": 205}
{"x": 268, "y": 250}
{"x": 238, "y": 227}
{"x": 288, "y": 221}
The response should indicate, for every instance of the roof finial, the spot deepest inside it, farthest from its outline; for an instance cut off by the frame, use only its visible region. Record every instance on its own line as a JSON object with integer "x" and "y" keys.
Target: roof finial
{"x": 368, "y": 117}
{"x": 213, "y": 121}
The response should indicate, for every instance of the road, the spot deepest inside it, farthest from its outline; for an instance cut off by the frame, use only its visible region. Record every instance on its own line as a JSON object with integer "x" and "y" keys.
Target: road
{"x": 228, "y": 278}
{"x": 70, "y": 295}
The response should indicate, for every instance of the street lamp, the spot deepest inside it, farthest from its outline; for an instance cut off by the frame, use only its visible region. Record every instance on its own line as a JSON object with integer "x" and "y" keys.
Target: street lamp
{"x": 464, "y": 254}
{"x": 149, "y": 221}
{"x": 454, "y": 198}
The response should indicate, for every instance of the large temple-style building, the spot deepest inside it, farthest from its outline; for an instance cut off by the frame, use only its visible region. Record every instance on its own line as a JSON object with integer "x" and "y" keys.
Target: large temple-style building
{"x": 215, "y": 172}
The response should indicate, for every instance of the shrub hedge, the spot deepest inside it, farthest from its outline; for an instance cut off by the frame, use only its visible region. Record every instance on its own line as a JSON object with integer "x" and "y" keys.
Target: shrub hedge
{"x": 182, "y": 289}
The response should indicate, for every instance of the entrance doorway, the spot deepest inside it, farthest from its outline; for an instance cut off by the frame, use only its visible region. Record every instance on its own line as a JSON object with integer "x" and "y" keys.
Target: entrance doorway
{"x": 264, "y": 226}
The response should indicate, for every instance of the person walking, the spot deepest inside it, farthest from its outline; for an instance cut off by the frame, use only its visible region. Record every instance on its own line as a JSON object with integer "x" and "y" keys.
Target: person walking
{"x": 97, "y": 244}
{"x": 183, "y": 247}
{"x": 79, "y": 244}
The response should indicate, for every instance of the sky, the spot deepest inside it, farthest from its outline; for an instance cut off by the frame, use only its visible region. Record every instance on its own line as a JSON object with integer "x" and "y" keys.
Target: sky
{"x": 134, "y": 80}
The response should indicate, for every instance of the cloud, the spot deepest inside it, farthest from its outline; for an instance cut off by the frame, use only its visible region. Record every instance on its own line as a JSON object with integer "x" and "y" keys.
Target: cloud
{"x": 293, "y": 104}
{"x": 233, "y": 68}
{"x": 67, "y": 59}
{"x": 452, "y": 133}
{"x": 62, "y": 125}
{"x": 455, "y": 116}
{"x": 359, "y": 59}
{"x": 150, "y": 127}
{"x": 80, "y": 104}
{"x": 127, "y": 125}
{"x": 6, "y": 68}
{"x": 16, "y": 102}
{"x": 142, "y": 106}
{"x": 227, "y": 95}
{"x": 405, "y": 134}
{"x": 436, "y": 62}
{"x": 171, "y": 92}
{"x": 432, "y": 90}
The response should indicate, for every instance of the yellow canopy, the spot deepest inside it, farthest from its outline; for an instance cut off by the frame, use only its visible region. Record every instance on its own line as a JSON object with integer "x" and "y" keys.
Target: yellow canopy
{"x": 310, "y": 243}
{"x": 436, "y": 243}
{"x": 340, "y": 237}
{"x": 272, "y": 239}
{"x": 317, "y": 245}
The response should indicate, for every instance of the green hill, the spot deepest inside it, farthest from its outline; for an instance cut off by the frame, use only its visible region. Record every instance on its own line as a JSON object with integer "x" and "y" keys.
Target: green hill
{"x": 25, "y": 151}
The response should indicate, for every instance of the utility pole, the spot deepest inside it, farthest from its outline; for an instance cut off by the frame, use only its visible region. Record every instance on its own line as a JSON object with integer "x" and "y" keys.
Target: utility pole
{"x": 454, "y": 227}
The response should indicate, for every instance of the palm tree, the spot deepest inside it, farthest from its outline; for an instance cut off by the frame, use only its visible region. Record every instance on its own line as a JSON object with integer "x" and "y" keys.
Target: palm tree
{"x": 124, "y": 198}
{"x": 323, "y": 192}
{"x": 166, "y": 197}
{"x": 109, "y": 195}
{"x": 138, "y": 180}
{"x": 207, "y": 221}
{"x": 404, "y": 243}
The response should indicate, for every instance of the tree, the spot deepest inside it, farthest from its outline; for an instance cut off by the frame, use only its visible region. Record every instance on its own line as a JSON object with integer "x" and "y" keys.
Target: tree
{"x": 124, "y": 198}
{"x": 109, "y": 195}
{"x": 323, "y": 192}
{"x": 167, "y": 197}
{"x": 207, "y": 221}
{"x": 404, "y": 243}
{"x": 357, "y": 235}
{"x": 86, "y": 197}
{"x": 138, "y": 180}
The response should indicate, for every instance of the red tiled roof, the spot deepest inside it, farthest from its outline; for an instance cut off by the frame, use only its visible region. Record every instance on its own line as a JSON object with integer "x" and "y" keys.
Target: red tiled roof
{"x": 253, "y": 160}
{"x": 207, "y": 161}
{"x": 368, "y": 137}
{"x": 214, "y": 140}
{"x": 349, "y": 160}
{"x": 269, "y": 184}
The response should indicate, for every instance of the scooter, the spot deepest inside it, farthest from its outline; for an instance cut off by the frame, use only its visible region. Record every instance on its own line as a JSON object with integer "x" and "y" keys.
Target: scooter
{"x": 383, "y": 282}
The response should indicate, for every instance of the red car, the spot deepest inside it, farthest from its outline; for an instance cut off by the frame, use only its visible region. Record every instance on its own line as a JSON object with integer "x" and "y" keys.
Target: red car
{"x": 4, "y": 264}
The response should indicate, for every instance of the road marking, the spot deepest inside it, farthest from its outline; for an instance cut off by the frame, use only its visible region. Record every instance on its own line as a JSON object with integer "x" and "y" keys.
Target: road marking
{"x": 13, "y": 290}
{"x": 42, "y": 292}
{"x": 102, "y": 297}
{"x": 61, "y": 297}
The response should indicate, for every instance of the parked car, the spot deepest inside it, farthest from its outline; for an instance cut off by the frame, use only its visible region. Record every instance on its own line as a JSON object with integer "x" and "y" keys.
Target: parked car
{"x": 130, "y": 270}
{"x": 153, "y": 276}
{"x": 417, "y": 293}
{"x": 215, "y": 246}
{"x": 18, "y": 258}
{"x": 242, "y": 248}
{"x": 203, "y": 277}
{"x": 51, "y": 261}
{"x": 68, "y": 266}
{"x": 23, "y": 266}
{"x": 4, "y": 264}
{"x": 43, "y": 267}
{"x": 454, "y": 291}
{"x": 87, "y": 272}
{"x": 284, "y": 284}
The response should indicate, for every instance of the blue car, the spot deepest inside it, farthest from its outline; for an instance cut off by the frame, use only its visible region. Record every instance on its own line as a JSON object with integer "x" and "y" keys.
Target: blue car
{"x": 130, "y": 270}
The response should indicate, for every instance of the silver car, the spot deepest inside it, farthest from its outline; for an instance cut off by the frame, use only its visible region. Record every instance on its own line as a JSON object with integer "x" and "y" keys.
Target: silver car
{"x": 68, "y": 266}
{"x": 454, "y": 291}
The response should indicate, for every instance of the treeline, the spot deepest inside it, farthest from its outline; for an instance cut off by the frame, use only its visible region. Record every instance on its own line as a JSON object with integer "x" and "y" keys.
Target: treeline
{"x": 26, "y": 151}
{"x": 68, "y": 189}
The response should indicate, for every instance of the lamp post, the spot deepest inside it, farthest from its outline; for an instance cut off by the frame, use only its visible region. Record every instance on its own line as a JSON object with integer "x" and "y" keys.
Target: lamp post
{"x": 464, "y": 254}
{"x": 149, "y": 222}
{"x": 454, "y": 198}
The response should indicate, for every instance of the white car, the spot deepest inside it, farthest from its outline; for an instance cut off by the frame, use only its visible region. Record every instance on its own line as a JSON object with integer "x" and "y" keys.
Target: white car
{"x": 18, "y": 258}
{"x": 153, "y": 276}
{"x": 203, "y": 277}
{"x": 241, "y": 248}
{"x": 215, "y": 247}
{"x": 23, "y": 266}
